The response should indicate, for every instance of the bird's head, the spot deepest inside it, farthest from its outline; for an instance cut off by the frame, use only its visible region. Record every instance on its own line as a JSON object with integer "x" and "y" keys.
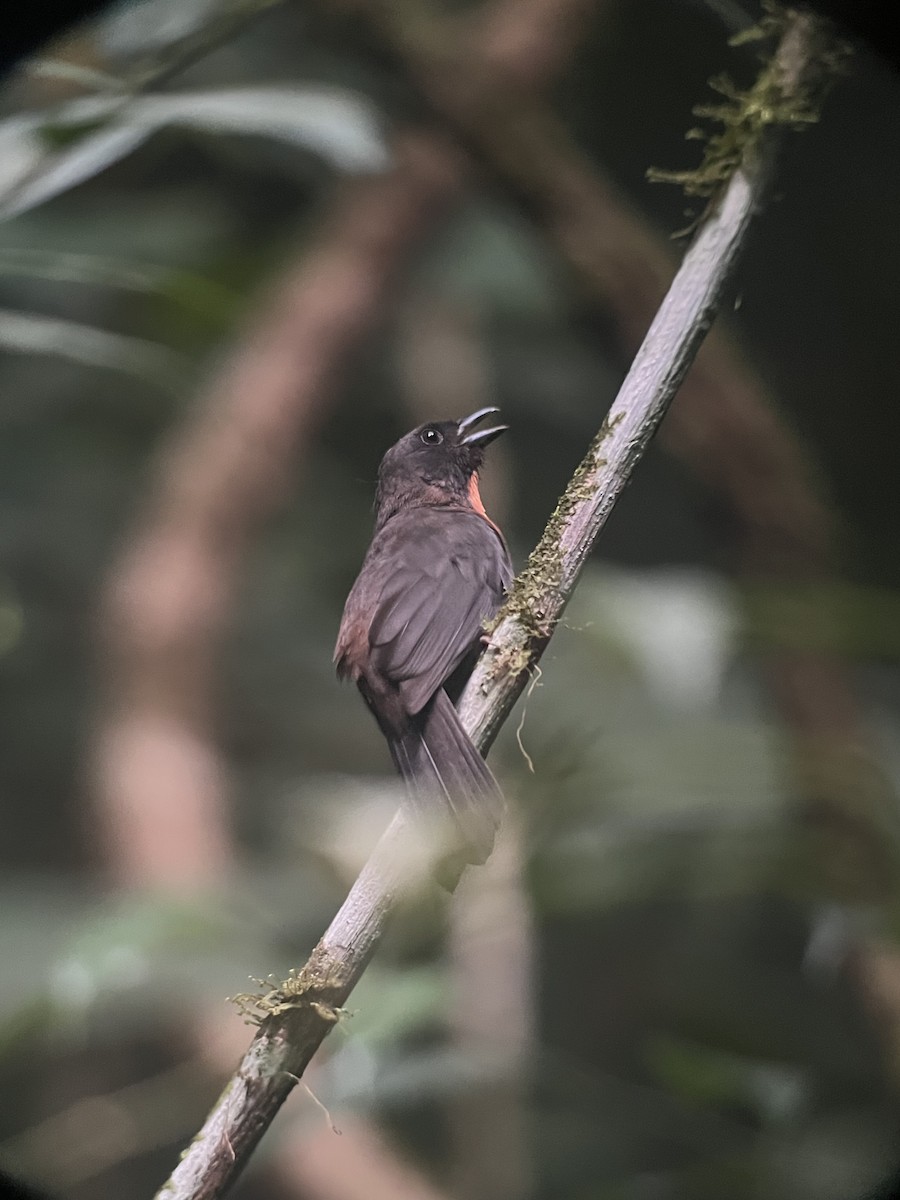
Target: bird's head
{"x": 436, "y": 463}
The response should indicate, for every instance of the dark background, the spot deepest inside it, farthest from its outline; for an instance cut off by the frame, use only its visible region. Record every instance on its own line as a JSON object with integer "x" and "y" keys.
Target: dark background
{"x": 679, "y": 978}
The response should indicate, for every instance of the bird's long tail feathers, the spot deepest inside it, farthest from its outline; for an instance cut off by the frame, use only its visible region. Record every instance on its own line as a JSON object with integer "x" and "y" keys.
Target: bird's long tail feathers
{"x": 451, "y": 787}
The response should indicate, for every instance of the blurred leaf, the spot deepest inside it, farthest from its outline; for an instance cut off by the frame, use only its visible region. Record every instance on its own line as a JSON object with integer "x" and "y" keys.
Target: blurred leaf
{"x": 70, "y": 72}
{"x": 185, "y": 288}
{"x": 142, "y": 27}
{"x": 12, "y": 623}
{"x": 81, "y": 268}
{"x": 679, "y": 626}
{"x": 35, "y": 169}
{"x": 697, "y": 1072}
{"x": 20, "y": 1027}
{"x": 835, "y": 617}
{"x": 100, "y": 130}
{"x": 31, "y": 333}
{"x": 130, "y": 944}
{"x": 391, "y": 1005}
{"x": 708, "y": 1075}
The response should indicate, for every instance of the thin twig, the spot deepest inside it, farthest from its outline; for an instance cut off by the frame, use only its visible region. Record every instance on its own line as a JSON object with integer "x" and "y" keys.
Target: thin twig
{"x": 306, "y": 1007}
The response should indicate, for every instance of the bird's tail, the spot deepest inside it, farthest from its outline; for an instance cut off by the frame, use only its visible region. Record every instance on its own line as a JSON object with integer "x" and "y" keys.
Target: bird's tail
{"x": 451, "y": 787}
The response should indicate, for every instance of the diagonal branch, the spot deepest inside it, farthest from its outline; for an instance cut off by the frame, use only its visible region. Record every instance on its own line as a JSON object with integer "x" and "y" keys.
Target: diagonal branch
{"x": 295, "y": 1018}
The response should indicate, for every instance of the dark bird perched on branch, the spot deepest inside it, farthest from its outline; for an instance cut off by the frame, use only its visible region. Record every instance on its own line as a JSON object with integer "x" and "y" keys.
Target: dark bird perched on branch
{"x": 436, "y": 569}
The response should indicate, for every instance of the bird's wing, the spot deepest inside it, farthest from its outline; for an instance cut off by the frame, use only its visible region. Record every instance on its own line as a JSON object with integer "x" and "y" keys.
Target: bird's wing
{"x": 449, "y": 572}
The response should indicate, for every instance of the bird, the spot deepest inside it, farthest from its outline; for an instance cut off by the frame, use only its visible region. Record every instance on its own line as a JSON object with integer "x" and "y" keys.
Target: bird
{"x": 412, "y": 629}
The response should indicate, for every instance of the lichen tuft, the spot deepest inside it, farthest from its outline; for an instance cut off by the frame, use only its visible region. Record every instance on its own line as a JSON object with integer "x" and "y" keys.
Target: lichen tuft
{"x": 317, "y": 987}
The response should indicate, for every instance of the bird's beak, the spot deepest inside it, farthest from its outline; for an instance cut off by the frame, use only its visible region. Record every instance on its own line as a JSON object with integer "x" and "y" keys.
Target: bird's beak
{"x": 481, "y": 437}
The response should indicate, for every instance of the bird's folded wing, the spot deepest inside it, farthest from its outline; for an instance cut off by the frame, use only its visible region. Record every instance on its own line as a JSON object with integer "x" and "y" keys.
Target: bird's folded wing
{"x": 449, "y": 576}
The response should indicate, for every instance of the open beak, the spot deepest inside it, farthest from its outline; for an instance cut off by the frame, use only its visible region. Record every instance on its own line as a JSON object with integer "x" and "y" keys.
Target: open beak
{"x": 482, "y": 437}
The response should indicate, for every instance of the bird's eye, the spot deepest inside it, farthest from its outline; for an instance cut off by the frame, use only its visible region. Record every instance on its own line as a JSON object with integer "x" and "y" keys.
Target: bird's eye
{"x": 431, "y": 437}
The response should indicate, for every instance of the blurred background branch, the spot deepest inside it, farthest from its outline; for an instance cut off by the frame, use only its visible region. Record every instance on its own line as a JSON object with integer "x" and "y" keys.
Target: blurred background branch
{"x": 160, "y": 785}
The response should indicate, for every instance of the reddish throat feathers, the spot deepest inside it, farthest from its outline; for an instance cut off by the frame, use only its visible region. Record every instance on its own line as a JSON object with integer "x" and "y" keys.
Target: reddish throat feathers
{"x": 436, "y": 569}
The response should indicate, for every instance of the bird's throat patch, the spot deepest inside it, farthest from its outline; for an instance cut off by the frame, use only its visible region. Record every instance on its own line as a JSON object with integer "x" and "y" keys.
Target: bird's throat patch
{"x": 478, "y": 504}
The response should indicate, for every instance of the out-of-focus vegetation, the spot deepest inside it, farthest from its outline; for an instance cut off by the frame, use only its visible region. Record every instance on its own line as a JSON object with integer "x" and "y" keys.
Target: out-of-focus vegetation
{"x": 681, "y": 978}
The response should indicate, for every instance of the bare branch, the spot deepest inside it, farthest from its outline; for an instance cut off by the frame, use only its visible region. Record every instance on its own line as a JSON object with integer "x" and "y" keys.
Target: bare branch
{"x": 306, "y": 1007}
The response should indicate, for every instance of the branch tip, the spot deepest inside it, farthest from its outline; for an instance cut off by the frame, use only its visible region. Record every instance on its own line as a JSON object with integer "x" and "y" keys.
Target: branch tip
{"x": 788, "y": 92}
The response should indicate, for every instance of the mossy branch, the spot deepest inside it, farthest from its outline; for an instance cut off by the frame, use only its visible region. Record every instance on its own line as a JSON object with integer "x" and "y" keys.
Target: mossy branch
{"x": 294, "y": 1017}
{"x": 785, "y": 94}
